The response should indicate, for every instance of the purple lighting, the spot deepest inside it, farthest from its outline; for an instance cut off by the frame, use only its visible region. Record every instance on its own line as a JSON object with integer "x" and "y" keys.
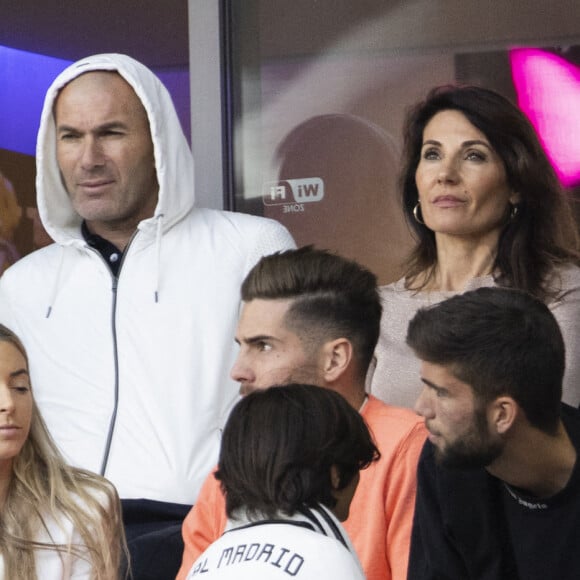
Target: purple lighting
{"x": 548, "y": 90}
{"x": 26, "y": 76}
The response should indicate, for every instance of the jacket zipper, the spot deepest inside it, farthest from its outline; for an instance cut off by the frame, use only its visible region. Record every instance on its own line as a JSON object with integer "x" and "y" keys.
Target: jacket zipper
{"x": 113, "y": 419}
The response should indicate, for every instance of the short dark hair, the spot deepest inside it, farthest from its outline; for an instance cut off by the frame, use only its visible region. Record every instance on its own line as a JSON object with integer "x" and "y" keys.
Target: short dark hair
{"x": 278, "y": 446}
{"x": 333, "y": 297}
{"x": 500, "y": 342}
{"x": 543, "y": 233}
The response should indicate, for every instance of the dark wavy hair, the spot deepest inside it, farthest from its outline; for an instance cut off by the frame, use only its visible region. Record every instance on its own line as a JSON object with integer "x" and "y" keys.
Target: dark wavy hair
{"x": 279, "y": 444}
{"x": 544, "y": 232}
{"x": 332, "y": 297}
{"x": 500, "y": 342}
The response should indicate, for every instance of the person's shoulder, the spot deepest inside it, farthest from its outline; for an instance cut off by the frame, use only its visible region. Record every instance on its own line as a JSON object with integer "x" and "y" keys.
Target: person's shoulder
{"x": 397, "y": 430}
{"x": 96, "y": 488}
{"x": 336, "y": 561}
{"x": 564, "y": 279}
{"x": 324, "y": 556}
{"x": 393, "y": 288}
{"x": 41, "y": 256}
{"x": 243, "y": 230}
{"x": 402, "y": 416}
{"x": 570, "y": 275}
{"x": 35, "y": 264}
{"x": 293, "y": 550}
{"x": 234, "y": 220}
{"x": 398, "y": 300}
{"x": 90, "y": 497}
{"x": 568, "y": 270}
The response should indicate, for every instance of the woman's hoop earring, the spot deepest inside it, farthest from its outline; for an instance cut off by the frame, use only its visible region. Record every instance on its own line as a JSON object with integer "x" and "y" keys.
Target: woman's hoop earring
{"x": 514, "y": 210}
{"x": 416, "y": 213}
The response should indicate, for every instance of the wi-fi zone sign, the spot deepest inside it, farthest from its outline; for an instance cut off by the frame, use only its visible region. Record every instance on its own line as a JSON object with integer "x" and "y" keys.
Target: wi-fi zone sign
{"x": 293, "y": 191}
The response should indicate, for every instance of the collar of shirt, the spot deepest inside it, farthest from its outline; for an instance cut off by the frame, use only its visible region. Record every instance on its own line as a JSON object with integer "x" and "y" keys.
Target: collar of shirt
{"x": 111, "y": 254}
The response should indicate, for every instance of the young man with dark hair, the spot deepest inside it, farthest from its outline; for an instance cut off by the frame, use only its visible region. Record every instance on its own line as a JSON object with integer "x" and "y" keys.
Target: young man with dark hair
{"x": 313, "y": 317}
{"x": 498, "y": 482}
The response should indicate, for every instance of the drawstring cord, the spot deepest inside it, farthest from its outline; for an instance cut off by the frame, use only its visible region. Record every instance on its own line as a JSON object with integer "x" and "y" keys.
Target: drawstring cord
{"x": 56, "y": 282}
{"x": 158, "y": 238}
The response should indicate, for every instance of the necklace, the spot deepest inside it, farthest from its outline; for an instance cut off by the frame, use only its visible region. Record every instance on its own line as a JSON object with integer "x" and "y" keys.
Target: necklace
{"x": 524, "y": 502}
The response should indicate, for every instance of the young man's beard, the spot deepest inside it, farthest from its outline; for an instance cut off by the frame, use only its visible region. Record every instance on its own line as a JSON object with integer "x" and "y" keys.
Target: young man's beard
{"x": 475, "y": 449}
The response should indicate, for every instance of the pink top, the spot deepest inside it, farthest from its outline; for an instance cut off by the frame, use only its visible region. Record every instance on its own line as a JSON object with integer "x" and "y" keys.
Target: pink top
{"x": 395, "y": 378}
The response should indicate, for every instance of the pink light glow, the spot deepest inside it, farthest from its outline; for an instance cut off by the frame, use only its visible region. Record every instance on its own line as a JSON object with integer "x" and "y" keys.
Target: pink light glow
{"x": 548, "y": 89}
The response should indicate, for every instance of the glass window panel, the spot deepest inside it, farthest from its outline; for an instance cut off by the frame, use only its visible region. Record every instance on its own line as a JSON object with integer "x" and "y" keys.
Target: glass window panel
{"x": 318, "y": 91}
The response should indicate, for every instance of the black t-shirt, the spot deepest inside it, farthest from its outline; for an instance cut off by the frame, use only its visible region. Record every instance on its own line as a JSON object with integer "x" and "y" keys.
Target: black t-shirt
{"x": 468, "y": 524}
{"x": 545, "y": 534}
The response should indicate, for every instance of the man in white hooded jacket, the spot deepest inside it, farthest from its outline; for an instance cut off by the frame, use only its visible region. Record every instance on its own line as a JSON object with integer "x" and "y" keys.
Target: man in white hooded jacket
{"x": 128, "y": 317}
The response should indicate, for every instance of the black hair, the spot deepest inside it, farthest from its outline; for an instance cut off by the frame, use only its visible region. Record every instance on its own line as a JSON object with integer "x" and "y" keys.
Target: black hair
{"x": 333, "y": 297}
{"x": 279, "y": 444}
{"x": 500, "y": 342}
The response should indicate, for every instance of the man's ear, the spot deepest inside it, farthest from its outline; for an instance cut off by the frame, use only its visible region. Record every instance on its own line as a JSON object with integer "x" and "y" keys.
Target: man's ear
{"x": 336, "y": 358}
{"x": 502, "y": 414}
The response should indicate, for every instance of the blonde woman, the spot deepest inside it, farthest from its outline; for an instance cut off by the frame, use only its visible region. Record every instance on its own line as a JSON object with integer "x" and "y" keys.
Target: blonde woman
{"x": 56, "y": 521}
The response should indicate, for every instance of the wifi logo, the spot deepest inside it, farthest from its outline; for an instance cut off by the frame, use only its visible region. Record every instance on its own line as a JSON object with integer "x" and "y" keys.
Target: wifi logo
{"x": 306, "y": 190}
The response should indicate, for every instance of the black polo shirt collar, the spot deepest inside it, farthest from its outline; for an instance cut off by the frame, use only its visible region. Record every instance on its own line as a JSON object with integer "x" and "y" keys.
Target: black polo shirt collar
{"x": 111, "y": 254}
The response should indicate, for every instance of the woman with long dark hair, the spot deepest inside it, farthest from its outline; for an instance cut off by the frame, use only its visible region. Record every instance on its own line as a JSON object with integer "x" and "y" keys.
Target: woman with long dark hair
{"x": 487, "y": 209}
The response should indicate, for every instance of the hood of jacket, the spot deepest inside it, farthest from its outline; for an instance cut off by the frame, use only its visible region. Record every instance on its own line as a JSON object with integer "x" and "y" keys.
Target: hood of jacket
{"x": 173, "y": 159}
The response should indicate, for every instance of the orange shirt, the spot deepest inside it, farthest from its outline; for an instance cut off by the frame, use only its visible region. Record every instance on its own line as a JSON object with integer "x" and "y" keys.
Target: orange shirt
{"x": 381, "y": 512}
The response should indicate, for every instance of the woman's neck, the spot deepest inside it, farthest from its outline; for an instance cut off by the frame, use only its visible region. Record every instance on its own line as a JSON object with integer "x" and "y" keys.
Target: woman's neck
{"x": 459, "y": 261}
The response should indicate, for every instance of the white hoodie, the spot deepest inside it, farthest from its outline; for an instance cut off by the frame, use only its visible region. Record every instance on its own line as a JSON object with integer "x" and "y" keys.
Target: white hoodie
{"x": 143, "y": 361}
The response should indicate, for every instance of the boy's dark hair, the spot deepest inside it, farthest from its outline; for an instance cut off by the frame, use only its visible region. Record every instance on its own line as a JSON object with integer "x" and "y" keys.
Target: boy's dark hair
{"x": 279, "y": 444}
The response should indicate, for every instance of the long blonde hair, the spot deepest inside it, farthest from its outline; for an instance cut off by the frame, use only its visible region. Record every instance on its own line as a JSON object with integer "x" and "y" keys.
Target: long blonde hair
{"x": 44, "y": 488}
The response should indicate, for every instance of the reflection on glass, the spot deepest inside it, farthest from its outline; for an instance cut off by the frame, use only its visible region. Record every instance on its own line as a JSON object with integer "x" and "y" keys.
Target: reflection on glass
{"x": 319, "y": 90}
